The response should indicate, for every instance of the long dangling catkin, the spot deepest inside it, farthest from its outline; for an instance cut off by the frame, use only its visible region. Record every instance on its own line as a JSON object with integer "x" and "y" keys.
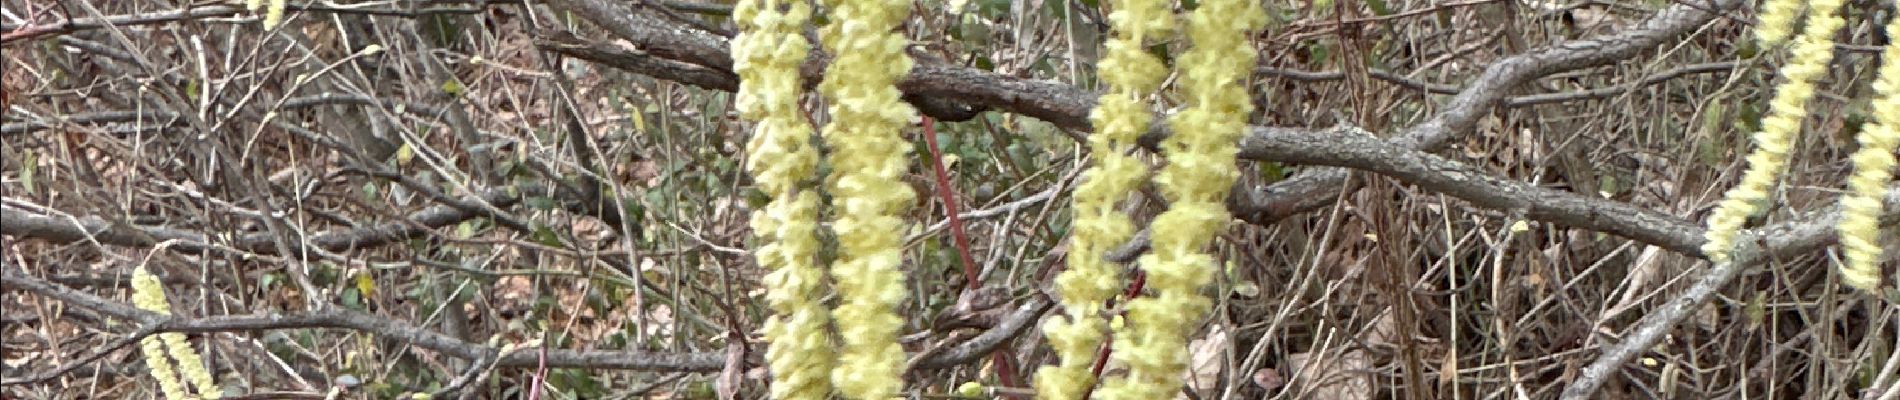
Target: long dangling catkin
{"x": 766, "y": 54}
{"x": 1812, "y": 51}
{"x": 274, "y": 15}
{"x": 1199, "y": 173}
{"x": 1776, "y": 21}
{"x": 869, "y": 196}
{"x": 1873, "y": 168}
{"x": 1131, "y": 74}
{"x": 149, "y": 295}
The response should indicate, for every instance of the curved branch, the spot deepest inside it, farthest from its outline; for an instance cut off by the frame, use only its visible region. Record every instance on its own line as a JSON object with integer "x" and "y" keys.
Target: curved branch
{"x": 1362, "y": 151}
{"x": 1067, "y": 106}
{"x": 106, "y": 117}
{"x": 339, "y": 318}
{"x": 1511, "y": 102}
{"x": 1311, "y": 190}
{"x": 1753, "y": 248}
{"x": 13, "y": 31}
{"x": 58, "y": 229}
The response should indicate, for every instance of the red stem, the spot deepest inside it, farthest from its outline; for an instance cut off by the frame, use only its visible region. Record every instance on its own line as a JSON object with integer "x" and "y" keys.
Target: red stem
{"x": 948, "y": 193}
{"x": 540, "y": 373}
{"x": 1101, "y": 356}
{"x": 1005, "y": 372}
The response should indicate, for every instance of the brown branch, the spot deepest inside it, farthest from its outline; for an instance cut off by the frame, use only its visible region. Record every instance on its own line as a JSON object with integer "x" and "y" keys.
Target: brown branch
{"x": 639, "y": 61}
{"x": 1598, "y": 93}
{"x": 1068, "y": 106}
{"x": 701, "y": 59}
{"x": 1402, "y": 156}
{"x": 340, "y": 318}
{"x": 1313, "y": 189}
{"x": 1753, "y": 248}
{"x": 58, "y": 229}
{"x": 1330, "y": 76}
{"x": 10, "y": 32}
{"x": 652, "y": 34}
{"x": 1511, "y": 102}
{"x": 1361, "y": 151}
{"x": 171, "y": 118}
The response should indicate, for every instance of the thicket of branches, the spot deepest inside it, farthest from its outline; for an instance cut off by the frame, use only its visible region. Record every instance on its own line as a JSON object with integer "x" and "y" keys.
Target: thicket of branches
{"x": 1473, "y": 199}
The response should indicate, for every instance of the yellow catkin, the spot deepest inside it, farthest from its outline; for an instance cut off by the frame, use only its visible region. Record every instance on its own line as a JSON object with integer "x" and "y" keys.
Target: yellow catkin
{"x": 1873, "y": 168}
{"x": 1776, "y": 21}
{"x": 1130, "y": 74}
{"x": 149, "y": 295}
{"x": 869, "y": 196}
{"x": 190, "y": 365}
{"x": 1199, "y": 173}
{"x": 274, "y": 15}
{"x": 766, "y": 55}
{"x": 154, "y": 351}
{"x": 1812, "y": 51}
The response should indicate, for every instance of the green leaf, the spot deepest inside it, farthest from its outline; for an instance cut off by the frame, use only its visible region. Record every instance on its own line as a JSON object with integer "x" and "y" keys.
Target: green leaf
{"x": 546, "y": 236}
{"x": 468, "y": 229}
{"x": 1271, "y": 172}
{"x": 756, "y": 199}
{"x": 366, "y": 283}
{"x": 405, "y": 154}
{"x": 453, "y": 87}
{"x": 29, "y": 167}
{"x": 1757, "y": 309}
{"x": 1714, "y": 117}
{"x": 1748, "y": 49}
{"x": 540, "y": 203}
{"x": 1378, "y": 7}
{"x": 1320, "y": 53}
{"x": 352, "y": 299}
{"x": 264, "y": 283}
{"x": 1750, "y": 119}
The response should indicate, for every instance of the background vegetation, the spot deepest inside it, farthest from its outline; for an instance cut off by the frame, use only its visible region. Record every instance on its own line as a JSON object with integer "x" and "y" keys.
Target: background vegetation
{"x": 512, "y": 198}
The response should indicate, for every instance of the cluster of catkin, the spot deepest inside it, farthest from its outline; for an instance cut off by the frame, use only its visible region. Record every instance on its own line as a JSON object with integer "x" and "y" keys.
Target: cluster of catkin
{"x": 868, "y": 198}
{"x": 1200, "y": 170}
{"x": 868, "y": 195}
{"x": 161, "y": 350}
{"x": 1810, "y": 53}
{"x": 868, "y": 157}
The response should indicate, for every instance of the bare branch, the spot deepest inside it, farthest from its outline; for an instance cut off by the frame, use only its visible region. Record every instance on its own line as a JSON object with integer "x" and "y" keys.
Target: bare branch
{"x": 1753, "y": 248}
{"x": 60, "y": 229}
{"x": 11, "y": 31}
{"x": 335, "y": 317}
{"x": 1311, "y": 190}
{"x": 1401, "y": 157}
{"x": 170, "y": 118}
{"x": 1511, "y": 102}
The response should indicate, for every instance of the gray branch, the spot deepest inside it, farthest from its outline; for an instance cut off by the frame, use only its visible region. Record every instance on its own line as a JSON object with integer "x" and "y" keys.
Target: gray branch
{"x": 1012, "y": 326}
{"x": 60, "y": 229}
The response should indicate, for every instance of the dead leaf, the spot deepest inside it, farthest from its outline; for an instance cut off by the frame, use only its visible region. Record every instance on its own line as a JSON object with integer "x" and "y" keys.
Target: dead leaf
{"x": 1206, "y": 356}
{"x": 979, "y": 309}
{"x": 1269, "y": 379}
{"x": 730, "y": 377}
{"x": 1335, "y": 376}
